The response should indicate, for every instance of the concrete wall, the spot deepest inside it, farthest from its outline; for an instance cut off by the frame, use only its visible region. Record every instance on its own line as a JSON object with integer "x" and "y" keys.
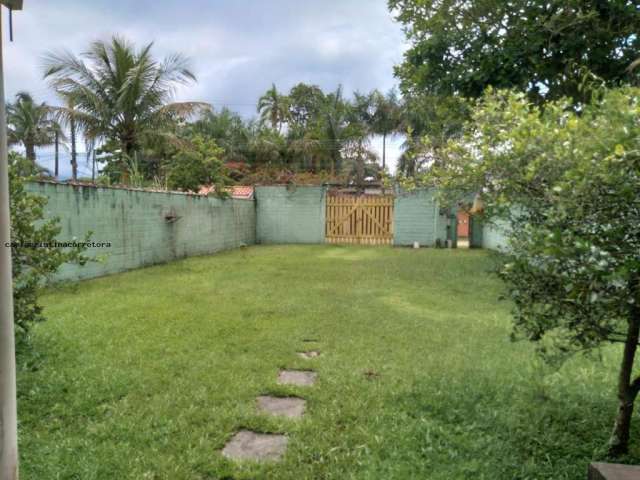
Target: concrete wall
{"x": 290, "y": 214}
{"x": 134, "y": 223}
{"x": 494, "y": 235}
{"x": 417, "y": 218}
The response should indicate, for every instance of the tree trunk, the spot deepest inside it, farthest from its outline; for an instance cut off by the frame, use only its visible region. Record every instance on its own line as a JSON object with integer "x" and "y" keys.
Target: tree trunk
{"x": 93, "y": 165}
{"x": 30, "y": 151}
{"x": 56, "y": 157}
{"x": 360, "y": 166}
{"x": 74, "y": 154}
{"x": 384, "y": 150}
{"x": 627, "y": 390}
{"x": 336, "y": 167}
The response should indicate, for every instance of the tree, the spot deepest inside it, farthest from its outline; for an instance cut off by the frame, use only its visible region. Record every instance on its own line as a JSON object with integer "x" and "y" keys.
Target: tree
{"x": 196, "y": 166}
{"x": 266, "y": 146}
{"x": 571, "y": 183}
{"x": 387, "y": 118}
{"x": 29, "y": 124}
{"x": 305, "y": 102}
{"x": 361, "y": 116}
{"x": 428, "y": 123}
{"x": 536, "y": 46}
{"x": 75, "y": 120}
{"x": 273, "y": 108}
{"x": 227, "y": 129}
{"x": 34, "y": 255}
{"x": 124, "y": 93}
{"x": 331, "y": 128}
{"x": 58, "y": 137}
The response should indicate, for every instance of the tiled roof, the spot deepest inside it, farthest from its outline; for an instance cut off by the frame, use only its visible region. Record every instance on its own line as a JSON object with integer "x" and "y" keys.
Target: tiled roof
{"x": 237, "y": 191}
{"x": 242, "y": 192}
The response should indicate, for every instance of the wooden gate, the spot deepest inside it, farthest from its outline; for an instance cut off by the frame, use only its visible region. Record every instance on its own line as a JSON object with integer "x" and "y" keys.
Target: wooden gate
{"x": 359, "y": 219}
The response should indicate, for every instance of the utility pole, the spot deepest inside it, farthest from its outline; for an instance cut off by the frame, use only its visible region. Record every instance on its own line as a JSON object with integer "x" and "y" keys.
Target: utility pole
{"x": 8, "y": 403}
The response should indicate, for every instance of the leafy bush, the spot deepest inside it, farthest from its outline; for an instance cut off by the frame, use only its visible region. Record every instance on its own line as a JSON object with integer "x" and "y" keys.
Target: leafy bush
{"x": 569, "y": 183}
{"x": 197, "y": 165}
{"x": 34, "y": 257}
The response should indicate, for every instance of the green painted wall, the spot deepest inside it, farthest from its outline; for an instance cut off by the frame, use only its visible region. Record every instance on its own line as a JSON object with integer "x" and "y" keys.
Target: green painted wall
{"x": 290, "y": 214}
{"x": 476, "y": 229}
{"x": 134, "y": 222}
{"x": 135, "y": 225}
{"x": 494, "y": 235}
{"x": 417, "y": 218}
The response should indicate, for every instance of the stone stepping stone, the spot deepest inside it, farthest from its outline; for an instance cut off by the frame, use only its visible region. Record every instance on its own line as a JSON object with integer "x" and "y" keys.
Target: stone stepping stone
{"x": 310, "y": 354}
{"x": 613, "y": 471}
{"x": 260, "y": 447}
{"x": 290, "y": 407}
{"x": 303, "y": 378}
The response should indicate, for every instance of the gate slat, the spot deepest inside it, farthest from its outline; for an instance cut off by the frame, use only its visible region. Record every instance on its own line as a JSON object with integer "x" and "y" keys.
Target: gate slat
{"x": 364, "y": 219}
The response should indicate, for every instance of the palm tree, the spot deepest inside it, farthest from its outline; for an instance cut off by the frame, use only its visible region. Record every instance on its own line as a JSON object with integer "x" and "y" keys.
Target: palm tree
{"x": 75, "y": 120}
{"x": 387, "y": 118}
{"x": 29, "y": 124}
{"x": 333, "y": 125}
{"x": 361, "y": 126}
{"x": 273, "y": 108}
{"x": 58, "y": 138}
{"x": 227, "y": 129}
{"x": 123, "y": 94}
{"x": 266, "y": 146}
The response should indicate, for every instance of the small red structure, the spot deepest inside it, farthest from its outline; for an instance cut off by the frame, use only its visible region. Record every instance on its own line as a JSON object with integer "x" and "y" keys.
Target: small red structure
{"x": 238, "y": 191}
{"x": 463, "y": 224}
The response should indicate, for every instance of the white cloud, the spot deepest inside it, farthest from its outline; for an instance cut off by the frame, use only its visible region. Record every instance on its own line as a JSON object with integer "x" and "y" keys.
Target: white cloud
{"x": 238, "y": 47}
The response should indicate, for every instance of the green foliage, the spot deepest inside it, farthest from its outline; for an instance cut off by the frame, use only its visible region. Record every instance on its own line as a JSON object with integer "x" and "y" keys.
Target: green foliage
{"x": 304, "y": 103}
{"x": 273, "y": 108}
{"x": 569, "y": 185}
{"x": 197, "y": 165}
{"x": 76, "y": 121}
{"x": 30, "y": 124}
{"x": 34, "y": 256}
{"x": 540, "y": 47}
{"x": 324, "y": 132}
{"x": 387, "y": 112}
{"x": 122, "y": 95}
{"x": 387, "y": 117}
{"x": 228, "y": 130}
{"x": 547, "y": 49}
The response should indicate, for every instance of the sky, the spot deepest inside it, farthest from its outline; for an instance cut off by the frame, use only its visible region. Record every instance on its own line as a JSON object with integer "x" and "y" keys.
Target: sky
{"x": 238, "y": 48}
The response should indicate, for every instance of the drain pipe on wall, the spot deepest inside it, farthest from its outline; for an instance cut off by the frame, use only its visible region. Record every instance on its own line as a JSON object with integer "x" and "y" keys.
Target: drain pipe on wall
{"x": 8, "y": 403}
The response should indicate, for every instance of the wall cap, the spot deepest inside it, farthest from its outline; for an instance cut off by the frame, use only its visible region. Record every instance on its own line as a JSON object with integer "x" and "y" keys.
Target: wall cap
{"x": 79, "y": 185}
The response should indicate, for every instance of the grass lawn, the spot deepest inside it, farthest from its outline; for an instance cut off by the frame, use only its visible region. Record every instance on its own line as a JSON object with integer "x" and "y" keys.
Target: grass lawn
{"x": 146, "y": 375}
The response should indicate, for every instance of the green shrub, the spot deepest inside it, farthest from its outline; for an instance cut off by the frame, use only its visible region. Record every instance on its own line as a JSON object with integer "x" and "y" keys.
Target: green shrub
{"x": 569, "y": 183}
{"x": 34, "y": 257}
{"x": 198, "y": 165}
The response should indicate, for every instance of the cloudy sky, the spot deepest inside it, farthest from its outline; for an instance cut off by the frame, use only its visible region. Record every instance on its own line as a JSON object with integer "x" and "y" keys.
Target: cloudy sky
{"x": 237, "y": 47}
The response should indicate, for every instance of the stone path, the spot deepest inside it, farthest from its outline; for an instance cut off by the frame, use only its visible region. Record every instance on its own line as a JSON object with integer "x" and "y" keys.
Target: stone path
{"x": 301, "y": 378}
{"x": 246, "y": 445}
{"x": 290, "y": 407}
{"x": 309, "y": 355}
{"x": 261, "y": 447}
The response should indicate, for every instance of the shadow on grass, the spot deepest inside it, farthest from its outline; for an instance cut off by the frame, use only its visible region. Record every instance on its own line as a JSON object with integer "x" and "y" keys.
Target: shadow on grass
{"x": 486, "y": 429}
